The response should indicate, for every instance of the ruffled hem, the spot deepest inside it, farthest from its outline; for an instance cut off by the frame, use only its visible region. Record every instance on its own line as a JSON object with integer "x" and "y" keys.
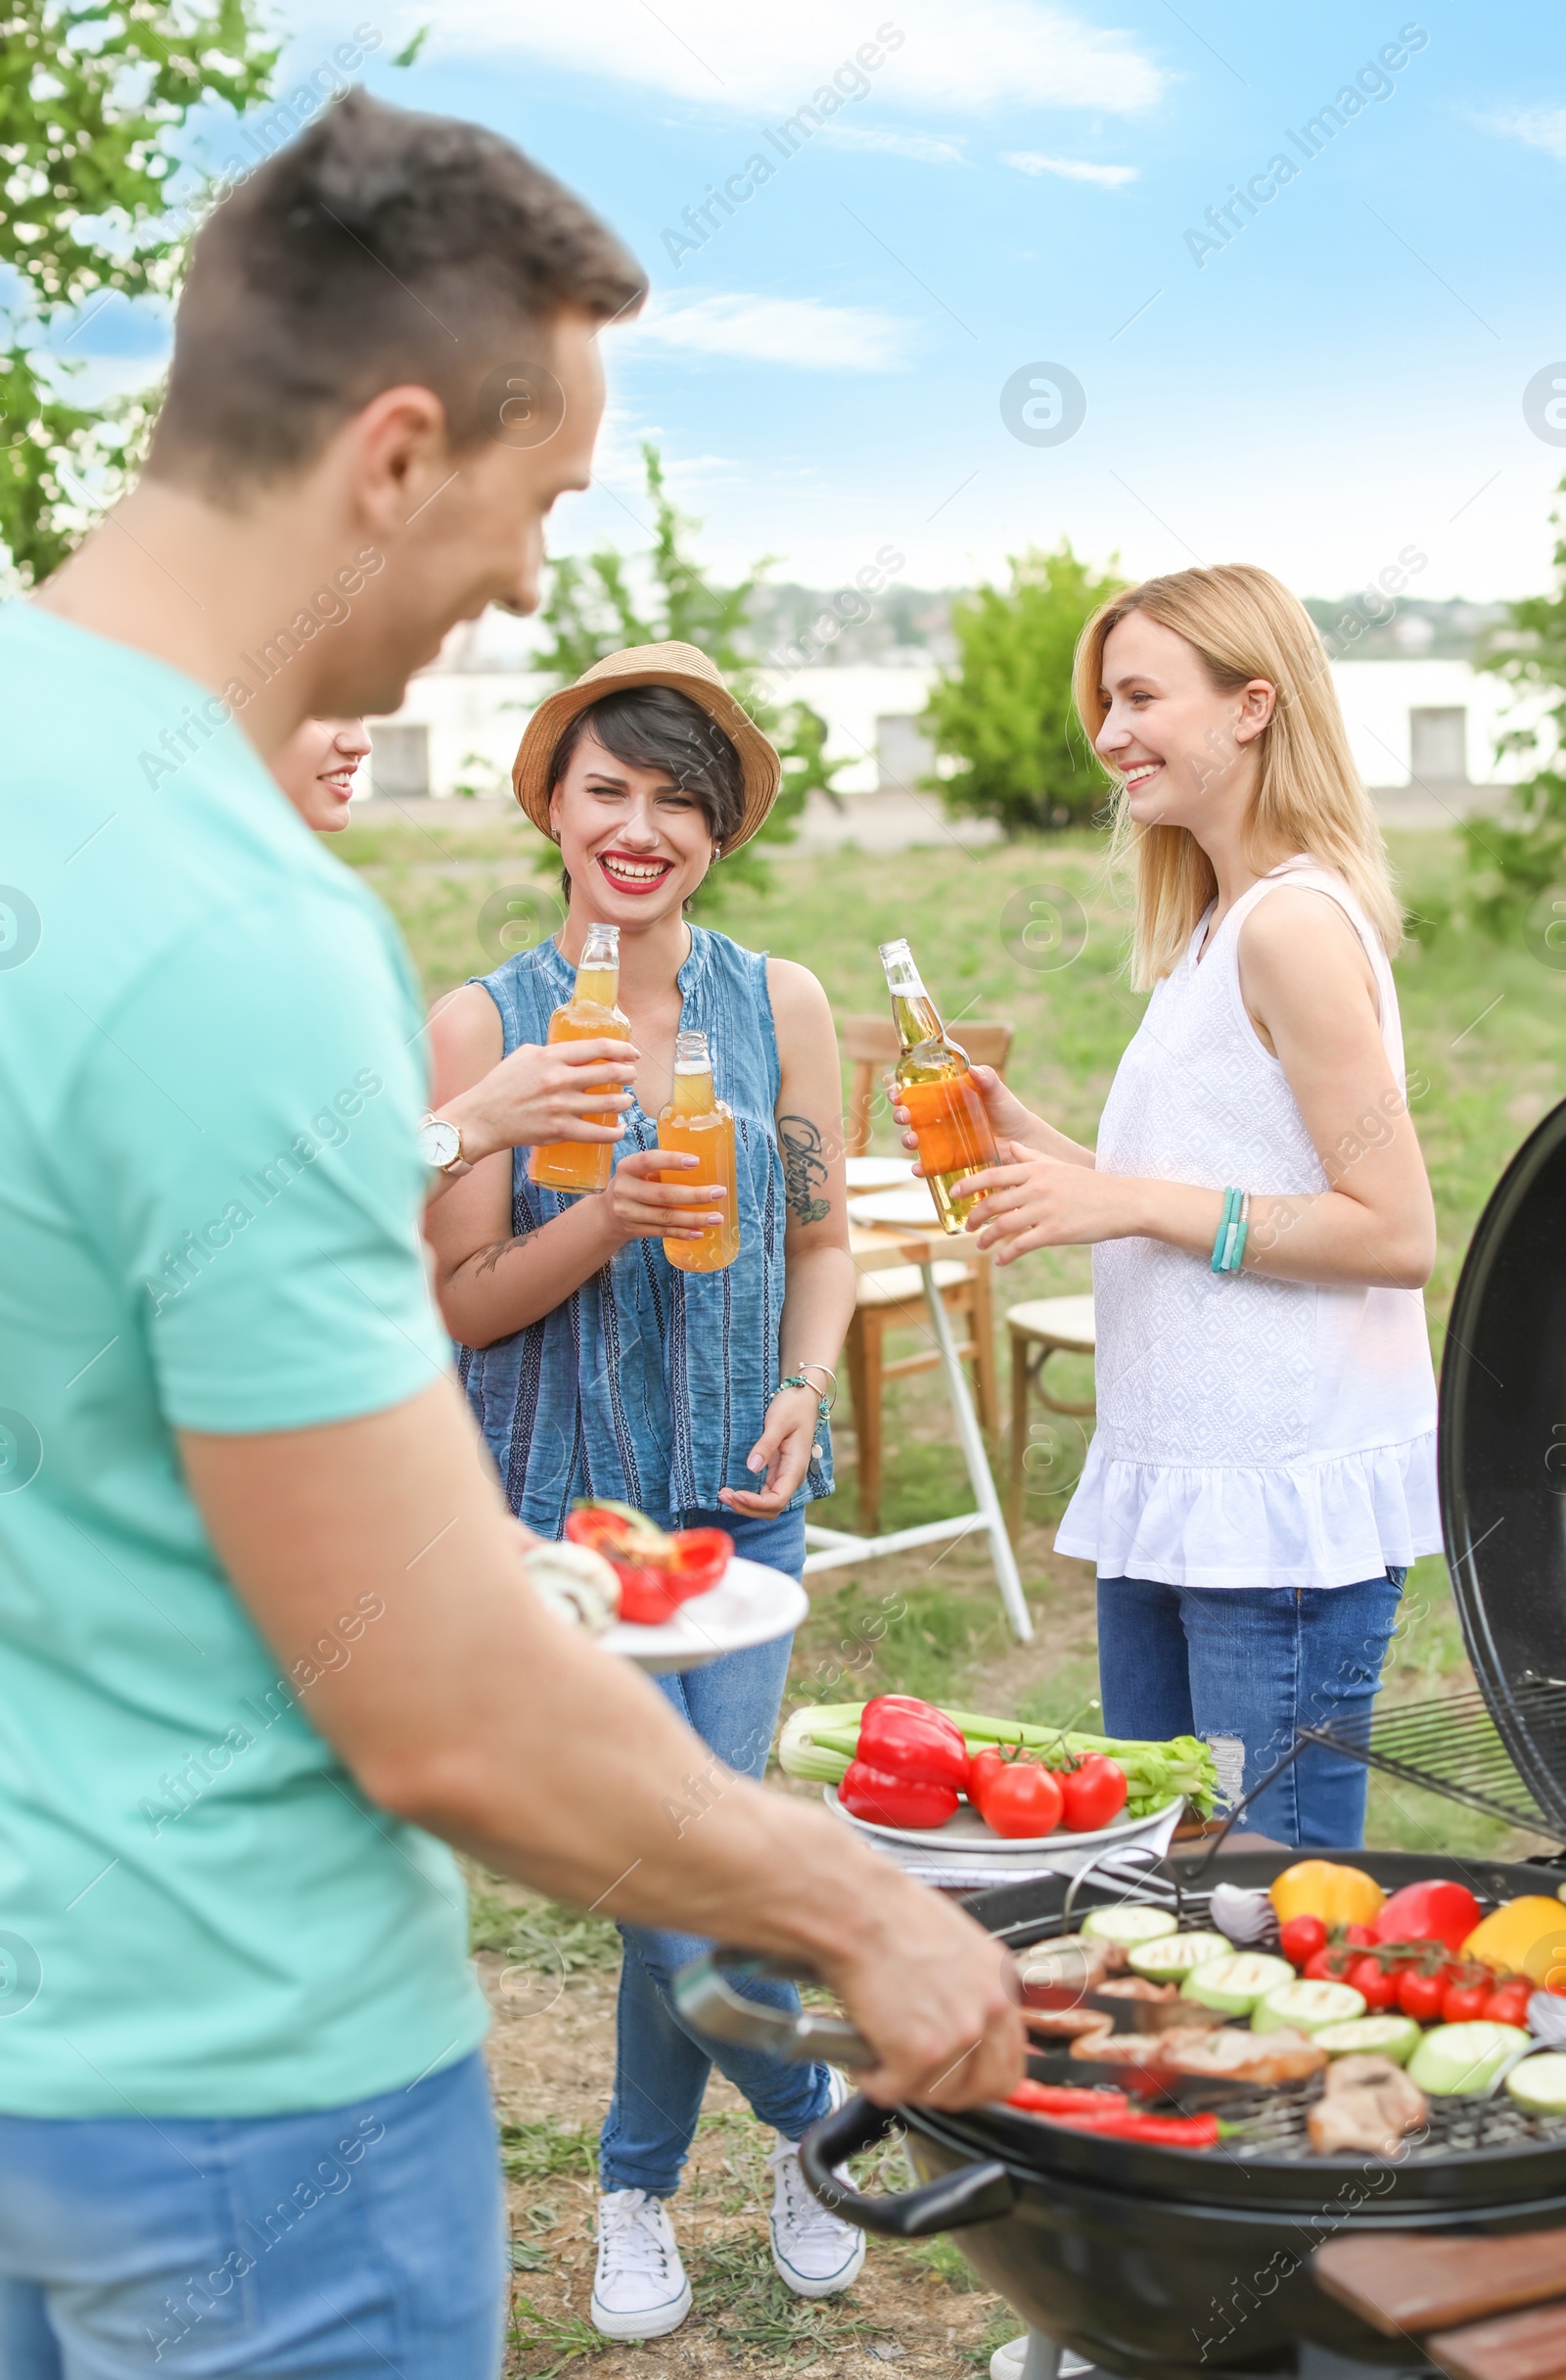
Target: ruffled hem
{"x": 1329, "y": 1523}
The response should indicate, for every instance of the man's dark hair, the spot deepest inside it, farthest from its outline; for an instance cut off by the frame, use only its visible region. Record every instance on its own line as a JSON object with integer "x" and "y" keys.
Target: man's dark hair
{"x": 379, "y": 248}
{"x": 659, "y": 727}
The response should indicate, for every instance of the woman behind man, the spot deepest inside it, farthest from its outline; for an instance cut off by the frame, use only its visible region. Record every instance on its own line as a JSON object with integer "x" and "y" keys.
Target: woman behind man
{"x": 595, "y": 1366}
{"x": 1262, "y": 1472}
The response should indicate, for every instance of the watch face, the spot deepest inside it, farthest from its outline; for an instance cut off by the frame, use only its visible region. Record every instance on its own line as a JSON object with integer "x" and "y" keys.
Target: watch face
{"x": 440, "y": 1143}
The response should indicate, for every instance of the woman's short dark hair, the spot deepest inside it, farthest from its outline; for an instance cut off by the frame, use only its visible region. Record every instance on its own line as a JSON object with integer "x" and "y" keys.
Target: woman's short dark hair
{"x": 659, "y": 727}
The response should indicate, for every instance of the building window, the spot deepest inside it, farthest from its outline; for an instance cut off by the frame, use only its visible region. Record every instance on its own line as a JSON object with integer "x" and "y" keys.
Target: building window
{"x": 1438, "y": 745}
{"x": 903, "y": 753}
{"x": 400, "y": 761}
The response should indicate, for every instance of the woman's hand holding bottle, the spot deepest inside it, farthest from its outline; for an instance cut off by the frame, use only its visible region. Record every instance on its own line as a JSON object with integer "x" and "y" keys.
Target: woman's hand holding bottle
{"x": 643, "y": 1206}
{"x": 544, "y": 1091}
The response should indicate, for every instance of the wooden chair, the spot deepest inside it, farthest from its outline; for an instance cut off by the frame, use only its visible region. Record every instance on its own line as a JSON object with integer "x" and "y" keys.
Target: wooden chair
{"x": 1044, "y": 1327}
{"x": 890, "y": 1294}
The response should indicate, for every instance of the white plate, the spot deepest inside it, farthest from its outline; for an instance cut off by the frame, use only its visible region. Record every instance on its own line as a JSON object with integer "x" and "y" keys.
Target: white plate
{"x": 749, "y": 1605}
{"x": 877, "y": 1173}
{"x": 914, "y": 1204}
{"x": 966, "y": 1833}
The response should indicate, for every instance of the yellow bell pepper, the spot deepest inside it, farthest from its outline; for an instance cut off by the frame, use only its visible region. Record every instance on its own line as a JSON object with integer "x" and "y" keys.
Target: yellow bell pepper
{"x": 1323, "y": 1889}
{"x": 1526, "y": 1937}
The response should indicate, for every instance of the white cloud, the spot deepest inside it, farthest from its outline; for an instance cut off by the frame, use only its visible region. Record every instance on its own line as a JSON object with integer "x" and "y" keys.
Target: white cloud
{"x": 925, "y": 148}
{"x": 800, "y": 332}
{"x": 987, "y": 53}
{"x": 1070, "y": 168}
{"x": 1539, "y": 127}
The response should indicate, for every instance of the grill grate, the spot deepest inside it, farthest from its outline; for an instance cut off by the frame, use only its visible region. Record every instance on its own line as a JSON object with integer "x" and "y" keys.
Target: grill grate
{"x": 1453, "y": 1748}
{"x": 1273, "y": 2125}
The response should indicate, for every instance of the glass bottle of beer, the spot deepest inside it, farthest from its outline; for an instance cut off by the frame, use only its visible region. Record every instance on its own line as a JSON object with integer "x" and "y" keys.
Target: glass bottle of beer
{"x": 697, "y": 1121}
{"x": 590, "y": 1015}
{"x": 935, "y": 1083}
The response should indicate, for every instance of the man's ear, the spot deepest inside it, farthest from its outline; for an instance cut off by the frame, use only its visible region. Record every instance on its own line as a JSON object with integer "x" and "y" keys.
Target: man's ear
{"x": 397, "y": 454}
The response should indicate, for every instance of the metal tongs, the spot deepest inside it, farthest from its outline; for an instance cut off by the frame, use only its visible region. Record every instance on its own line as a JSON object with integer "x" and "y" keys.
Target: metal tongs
{"x": 707, "y": 1999}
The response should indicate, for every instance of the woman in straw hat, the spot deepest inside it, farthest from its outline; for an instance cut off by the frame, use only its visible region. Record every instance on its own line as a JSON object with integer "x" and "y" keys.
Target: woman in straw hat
{"x": 597, "y": 1368}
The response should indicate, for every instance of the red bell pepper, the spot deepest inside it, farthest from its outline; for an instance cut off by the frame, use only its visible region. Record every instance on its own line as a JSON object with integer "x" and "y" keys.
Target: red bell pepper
{"x": 1067, "y": 2099}
{"x": 658, "y": 1571}
{"x": 1441, "y": 1911}
{"x": 888, "y": 1800}
{"x": 1155, "y": 2131}
{"x": 904, "y": 1738}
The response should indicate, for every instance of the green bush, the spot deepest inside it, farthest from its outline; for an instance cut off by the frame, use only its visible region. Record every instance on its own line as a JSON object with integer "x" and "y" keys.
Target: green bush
{"x": 1003, "y": 714}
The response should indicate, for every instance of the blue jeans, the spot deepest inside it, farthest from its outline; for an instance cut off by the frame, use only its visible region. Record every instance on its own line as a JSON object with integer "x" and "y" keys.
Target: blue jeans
{"x": 1247, "y": 1668}
{"x": 344, "y": 2244}
{"x": 661, "y": 2066}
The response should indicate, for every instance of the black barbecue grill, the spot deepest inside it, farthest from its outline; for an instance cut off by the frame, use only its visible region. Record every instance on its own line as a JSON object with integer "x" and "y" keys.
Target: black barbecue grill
{"x": 1175, "y": 2262}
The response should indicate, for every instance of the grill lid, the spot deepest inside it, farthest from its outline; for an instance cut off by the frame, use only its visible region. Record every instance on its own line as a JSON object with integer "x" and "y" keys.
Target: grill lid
{"x": 1502, "y": 1460}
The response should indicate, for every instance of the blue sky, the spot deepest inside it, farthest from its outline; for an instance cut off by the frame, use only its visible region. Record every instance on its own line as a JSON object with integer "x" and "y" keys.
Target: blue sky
{"x": 1340, "y": 381}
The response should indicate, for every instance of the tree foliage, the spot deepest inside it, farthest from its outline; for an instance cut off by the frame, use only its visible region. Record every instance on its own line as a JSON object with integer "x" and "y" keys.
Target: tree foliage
{"x": 1003, "y": 714}
{"x": 1515, "y": 858}
{"x": 89, "y": 95}
{"x": 607, "y": 601}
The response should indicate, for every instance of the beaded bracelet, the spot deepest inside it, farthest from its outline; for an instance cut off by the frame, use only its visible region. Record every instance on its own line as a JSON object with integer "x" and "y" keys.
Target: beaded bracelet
{"x": 1228, "y": 1243}
{"x": 797, "y": 1379}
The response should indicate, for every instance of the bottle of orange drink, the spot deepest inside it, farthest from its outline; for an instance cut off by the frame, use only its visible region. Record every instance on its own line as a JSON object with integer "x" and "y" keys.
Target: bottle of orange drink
{"x": 697, "y": 1121}
{"x": 935, "y": 1083}
{"x": 590, "y": 1015}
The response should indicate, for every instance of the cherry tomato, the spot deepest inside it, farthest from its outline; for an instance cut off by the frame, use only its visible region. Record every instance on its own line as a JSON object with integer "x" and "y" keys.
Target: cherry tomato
{"x": 1378, "y": 1984}
{"x": 1461, "y": 2003}
{"x": 1360, "y": 1936}
{"x": 1507, "y": 2004}
{"x": 1420, "y": 1995}
{"x": 1301, "y": 1938}
{"x": 983, "y": 1770}
{"x": 1327, "y": 1966}
{"x": 1095, "y": 1792}
{"x": 1024, "y": 1800}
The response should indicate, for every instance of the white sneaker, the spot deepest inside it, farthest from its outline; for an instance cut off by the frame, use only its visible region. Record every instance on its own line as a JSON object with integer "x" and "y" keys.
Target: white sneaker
{"x": 818, "y": 2254}
{"x": 1008, "y": 2362}
{"x": 640, "y": 2288}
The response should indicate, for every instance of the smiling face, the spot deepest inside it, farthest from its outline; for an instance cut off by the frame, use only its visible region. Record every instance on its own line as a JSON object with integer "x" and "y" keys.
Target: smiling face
{"x": 1184, "y": 746}
{"x": 316, "y": 769}
{"x": 635, "y": 844}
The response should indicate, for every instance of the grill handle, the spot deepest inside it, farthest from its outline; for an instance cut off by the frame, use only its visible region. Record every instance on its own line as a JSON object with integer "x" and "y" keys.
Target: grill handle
{"x": 975, "y": 2194}
{"x": 707, "y": 2000}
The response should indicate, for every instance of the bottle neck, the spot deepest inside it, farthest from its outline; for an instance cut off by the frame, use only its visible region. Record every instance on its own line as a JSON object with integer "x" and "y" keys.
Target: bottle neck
{"x": 693, "y": 1093}
{"x": 598, "y": 984}
{"x": 916, "y": 1017}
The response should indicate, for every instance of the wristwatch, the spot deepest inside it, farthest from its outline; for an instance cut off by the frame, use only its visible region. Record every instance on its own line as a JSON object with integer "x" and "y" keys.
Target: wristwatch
{"x": 441, "y": 1145}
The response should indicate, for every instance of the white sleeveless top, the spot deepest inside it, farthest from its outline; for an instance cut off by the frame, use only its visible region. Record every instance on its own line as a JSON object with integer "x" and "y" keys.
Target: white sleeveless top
{"x": 1251, "y": 1432}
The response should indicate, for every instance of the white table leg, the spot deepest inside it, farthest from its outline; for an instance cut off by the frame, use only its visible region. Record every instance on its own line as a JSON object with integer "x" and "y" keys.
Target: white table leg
{"x": 973, "y": 1447}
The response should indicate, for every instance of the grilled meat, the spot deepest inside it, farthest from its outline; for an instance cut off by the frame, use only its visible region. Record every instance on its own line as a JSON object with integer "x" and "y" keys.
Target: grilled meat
{"x": 1367, "y": 2103}
{"x": 1264, "y": 2059}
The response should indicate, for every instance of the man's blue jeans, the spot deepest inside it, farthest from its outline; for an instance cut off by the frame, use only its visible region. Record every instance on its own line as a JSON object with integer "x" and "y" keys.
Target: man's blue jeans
{"x": 661, "y": 2066}
{"x": 342, "y": 2244}
{"x": 1247, "y": 1668}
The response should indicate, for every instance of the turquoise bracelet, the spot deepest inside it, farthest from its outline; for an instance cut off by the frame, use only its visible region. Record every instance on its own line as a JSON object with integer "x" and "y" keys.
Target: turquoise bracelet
{"x": 1228, "y": 1243}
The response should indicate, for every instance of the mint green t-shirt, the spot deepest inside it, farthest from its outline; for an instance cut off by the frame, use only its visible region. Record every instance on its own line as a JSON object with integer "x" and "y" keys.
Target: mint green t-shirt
{"x": 210, "y": 1074}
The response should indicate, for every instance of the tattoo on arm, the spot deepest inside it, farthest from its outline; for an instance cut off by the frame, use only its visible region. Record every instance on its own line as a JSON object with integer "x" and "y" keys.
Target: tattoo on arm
{"x": 803, "y": 1168}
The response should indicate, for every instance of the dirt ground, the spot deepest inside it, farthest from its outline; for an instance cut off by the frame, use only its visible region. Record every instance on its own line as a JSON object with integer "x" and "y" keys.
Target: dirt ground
{"x": 551, "y": 2055}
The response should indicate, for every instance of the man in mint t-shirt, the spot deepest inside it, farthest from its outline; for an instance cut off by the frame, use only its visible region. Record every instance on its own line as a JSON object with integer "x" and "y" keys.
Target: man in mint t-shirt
{"x": 265, "y": 1627}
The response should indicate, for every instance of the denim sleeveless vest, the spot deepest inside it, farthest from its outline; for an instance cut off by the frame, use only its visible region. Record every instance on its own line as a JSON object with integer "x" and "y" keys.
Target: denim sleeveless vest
{"x": 648, "y": 1384}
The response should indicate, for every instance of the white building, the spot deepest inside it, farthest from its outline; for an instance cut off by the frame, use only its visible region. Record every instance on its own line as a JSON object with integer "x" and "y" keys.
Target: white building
{"x": 1424, "y": 732}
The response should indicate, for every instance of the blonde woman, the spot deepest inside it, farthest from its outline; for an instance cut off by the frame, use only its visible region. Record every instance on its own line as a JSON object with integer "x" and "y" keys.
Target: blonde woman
{"x": 1264, "y": 1470}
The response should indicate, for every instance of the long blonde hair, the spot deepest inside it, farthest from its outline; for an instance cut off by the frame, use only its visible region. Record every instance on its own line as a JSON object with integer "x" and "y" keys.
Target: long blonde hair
{"x": 1244, "y": 623}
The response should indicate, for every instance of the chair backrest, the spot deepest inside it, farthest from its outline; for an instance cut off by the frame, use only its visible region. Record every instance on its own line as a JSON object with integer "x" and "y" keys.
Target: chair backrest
{"x": 870, "y": 1045}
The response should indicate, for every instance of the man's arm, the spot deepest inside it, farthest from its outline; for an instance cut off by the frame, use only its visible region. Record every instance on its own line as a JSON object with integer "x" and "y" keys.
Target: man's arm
{"x": 467, "y": 1708}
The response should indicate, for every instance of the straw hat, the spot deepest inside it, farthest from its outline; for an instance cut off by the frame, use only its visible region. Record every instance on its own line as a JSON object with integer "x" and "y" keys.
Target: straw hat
{"x": 689, "y": 672}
